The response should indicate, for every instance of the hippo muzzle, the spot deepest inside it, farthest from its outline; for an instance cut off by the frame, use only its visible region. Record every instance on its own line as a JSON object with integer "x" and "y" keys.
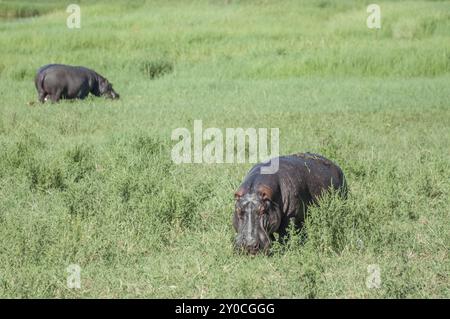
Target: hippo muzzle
{"x": 106, "y": 89}
{"x": 112, "y": 95}
{"x": 255, "y": 219}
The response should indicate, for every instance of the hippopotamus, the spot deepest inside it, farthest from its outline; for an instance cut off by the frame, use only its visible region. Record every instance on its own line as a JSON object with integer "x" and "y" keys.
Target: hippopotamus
{"x": 268, "y": 203}
{"x": 59, "y": 81}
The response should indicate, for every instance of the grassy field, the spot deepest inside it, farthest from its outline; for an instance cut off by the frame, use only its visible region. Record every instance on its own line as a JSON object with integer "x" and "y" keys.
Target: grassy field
{"x": 92, "y": 182}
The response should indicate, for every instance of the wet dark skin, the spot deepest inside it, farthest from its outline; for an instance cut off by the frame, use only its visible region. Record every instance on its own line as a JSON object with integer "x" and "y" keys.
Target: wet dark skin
{"x": 268, "y": 203}
{"x": 57, "y": 81}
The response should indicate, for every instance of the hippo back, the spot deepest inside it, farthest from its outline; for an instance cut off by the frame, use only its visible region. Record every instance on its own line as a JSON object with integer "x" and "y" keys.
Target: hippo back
{"x": 301, "y": 177}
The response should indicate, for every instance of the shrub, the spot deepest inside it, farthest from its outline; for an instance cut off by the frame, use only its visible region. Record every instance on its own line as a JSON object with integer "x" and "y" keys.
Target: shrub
{"x": 157, "y": 68}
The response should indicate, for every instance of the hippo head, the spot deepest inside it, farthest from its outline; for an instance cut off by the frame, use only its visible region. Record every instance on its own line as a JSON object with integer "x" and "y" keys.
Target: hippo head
{"x": 105, "y": 89}
{"x": 255, "y": 219}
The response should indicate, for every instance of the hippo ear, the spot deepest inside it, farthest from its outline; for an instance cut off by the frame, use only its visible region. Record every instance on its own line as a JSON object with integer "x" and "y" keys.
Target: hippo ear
{"x": 265, "y": 192}
{"x": 239, "y": 193}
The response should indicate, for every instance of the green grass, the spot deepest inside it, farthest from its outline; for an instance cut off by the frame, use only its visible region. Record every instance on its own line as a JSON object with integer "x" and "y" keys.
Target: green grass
{"x": 92, "y": 183}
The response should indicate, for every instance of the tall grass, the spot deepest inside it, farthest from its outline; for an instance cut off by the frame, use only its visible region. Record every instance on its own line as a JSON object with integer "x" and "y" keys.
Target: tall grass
{"x": 92, "y": 183}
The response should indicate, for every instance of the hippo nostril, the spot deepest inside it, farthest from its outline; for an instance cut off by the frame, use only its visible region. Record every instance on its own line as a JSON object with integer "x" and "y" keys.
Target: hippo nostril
{"x": 253, "y": 247}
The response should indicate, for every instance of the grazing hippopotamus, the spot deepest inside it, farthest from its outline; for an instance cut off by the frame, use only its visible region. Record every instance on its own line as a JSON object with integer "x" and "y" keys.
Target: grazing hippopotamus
{"x": 58, "y": 81}
{"x": 267, "y": 203}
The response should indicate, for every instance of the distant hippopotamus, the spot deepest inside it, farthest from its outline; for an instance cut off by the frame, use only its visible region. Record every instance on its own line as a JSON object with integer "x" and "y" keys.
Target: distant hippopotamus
{"x": 267, "y": 203}
{"x": 58, "y": 81}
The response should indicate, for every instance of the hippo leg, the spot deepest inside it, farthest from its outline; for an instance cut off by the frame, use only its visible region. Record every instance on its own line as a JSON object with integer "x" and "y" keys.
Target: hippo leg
{"x": 284, "y": 226}
{"x": 55, "y": 97}
{"x": 282, "y": 230}
{"x": 83, "y": 94}
{"x": 42, "y": 97}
